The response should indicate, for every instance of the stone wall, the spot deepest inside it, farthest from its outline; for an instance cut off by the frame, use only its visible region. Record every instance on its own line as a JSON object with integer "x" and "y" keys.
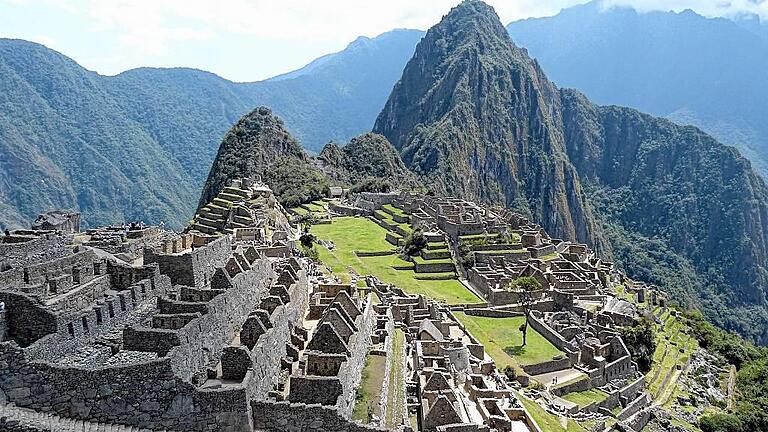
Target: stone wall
{"x": 351, "y": 371}
{"x": 548, "y": 366}
{"x": 3, "y": 326}
{"x": 144, "y": 394}
{"x": 285, "y": 416}
{"x": 633, "y": 407}
{"x": 25, "y": 320}
{"x": 348, "y": 211}
{"x": 117, "y": 309}
{"x": 573, "y": 386}
{"x": 33, "y": 251}
{"x": 195, "y": 267}
{"x": 553, "y": 337}
{"x": 271, "y": 346}
{"x": 200, "y": 342}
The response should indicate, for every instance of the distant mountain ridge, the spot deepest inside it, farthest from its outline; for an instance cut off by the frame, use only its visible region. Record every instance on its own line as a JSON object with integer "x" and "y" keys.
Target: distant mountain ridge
{"x": 138, "y": 146}
{"x": 708, "y": 72}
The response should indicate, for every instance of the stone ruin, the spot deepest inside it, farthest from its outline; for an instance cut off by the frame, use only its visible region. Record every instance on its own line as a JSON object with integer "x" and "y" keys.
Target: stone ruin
{"x": 225, "y": 326}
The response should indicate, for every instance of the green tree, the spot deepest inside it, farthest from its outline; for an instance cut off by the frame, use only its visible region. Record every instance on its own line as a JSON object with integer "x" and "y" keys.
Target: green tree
{"x": 526, "y": 288}
{"x": 415, "y": 243}
{"x": 640, "y": 342}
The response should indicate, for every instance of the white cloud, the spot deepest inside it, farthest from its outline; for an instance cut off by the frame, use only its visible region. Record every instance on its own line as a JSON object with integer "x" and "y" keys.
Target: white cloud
{"x": 141, "y": 32}
{"x": 710, "y": 8}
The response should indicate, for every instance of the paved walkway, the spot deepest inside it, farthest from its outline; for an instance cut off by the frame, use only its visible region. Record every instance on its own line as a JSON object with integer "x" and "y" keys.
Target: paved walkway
{"x": 563, "y": 376}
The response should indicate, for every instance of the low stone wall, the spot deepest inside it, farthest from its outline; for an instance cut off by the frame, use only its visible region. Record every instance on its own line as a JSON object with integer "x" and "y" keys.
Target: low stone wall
{"x": 429, "y": 267}
{"x": 348, "y": 210}
{"x": 549, "y": 366}
{"x": 284, "y": 416}
{"x": 633, "y": 407}
{"x": 491, "y": 313}
{"x": 552, "y": 336}
{"x": 632, "y": 389}
{"x": 373, "y": 254}
{"x": 640, "y": 420}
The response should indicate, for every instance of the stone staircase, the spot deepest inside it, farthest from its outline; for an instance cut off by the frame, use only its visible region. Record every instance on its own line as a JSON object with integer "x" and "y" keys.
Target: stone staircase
{"x": 16, "y": 419}
{"x": 222, "y": 214}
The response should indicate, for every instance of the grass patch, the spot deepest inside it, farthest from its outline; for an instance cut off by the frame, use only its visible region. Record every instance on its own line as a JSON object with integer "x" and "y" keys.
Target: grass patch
{"x": 300, "y": 211}
{"x": 395, "y": 402}
{"x": 503, "y": 340}
{"x": 369, "y": 392}
{"x": 546, "y": 421}
{"x": 586, "y": 397}
{"x": 419, "y": 260}
{"x": 395, "y": 210}
{"x": 350, "y": 234}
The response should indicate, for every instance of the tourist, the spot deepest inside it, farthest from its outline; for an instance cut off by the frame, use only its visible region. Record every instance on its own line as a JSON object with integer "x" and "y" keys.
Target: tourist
{"x": 2, "y": 306}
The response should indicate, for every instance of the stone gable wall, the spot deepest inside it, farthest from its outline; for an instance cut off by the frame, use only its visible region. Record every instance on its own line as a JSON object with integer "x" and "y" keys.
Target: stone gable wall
{"x": 271, "y": 346}
{"x": 193, "y": 268}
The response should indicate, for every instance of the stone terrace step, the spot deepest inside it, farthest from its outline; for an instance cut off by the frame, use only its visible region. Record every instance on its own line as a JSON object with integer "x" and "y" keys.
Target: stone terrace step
{"x": 235, "y": 191}
{"x": 10, "y": 414}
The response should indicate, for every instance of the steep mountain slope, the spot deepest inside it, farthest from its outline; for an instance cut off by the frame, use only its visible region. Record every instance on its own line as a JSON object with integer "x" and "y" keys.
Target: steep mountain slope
{"x": 366, "y": 156}
{"x": 136, "y": 146}
{"x": 472, "y": 114}
{"x": 66, "y": 143}
{"x": 475, "y": 116}
{"x": 259, "y": 145}
{"x": 691, "y": 69}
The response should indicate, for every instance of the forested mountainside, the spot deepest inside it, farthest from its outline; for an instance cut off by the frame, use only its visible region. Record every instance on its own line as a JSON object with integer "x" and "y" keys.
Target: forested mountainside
{"x": 708, "y": 72}
{"x": 259, "y": 145}
{"x": 138, "y": 146}
{"x": 474, "y": 115}
{"x": 366, "y": 156}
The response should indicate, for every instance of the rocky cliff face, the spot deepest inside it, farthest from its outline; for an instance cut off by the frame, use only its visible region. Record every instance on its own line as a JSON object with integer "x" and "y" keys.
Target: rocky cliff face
{"x": 653, "y": 180}
{"x": 476, "y": 117}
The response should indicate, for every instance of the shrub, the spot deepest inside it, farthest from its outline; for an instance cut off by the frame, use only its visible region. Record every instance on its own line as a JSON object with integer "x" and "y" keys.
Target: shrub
{"x": 414, "y": 243}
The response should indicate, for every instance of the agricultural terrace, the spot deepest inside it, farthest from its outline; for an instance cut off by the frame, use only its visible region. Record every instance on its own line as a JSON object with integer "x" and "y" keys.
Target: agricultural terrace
{"x": 351, "y": 234}
{"x": 586, "y": 397}
{"x": 503, "y": 340}
{"x": 546, "y": 421}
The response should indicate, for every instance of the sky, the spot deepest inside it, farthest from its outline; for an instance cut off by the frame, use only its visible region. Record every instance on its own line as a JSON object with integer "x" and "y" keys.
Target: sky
{"x": 249, "y": 40}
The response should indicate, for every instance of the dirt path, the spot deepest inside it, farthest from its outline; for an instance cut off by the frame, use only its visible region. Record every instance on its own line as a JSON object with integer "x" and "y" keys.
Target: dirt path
{"x": 731, "y": 385}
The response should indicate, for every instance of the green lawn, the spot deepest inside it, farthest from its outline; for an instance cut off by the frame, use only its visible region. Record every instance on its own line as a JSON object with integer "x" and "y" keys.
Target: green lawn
{"x": 300, "y": 211}
{"x": 419, "y": 260}
{"x": 546, "y": 421}
{"x": 394, "y": 210}
{"x": 503, "y": 340}
{"x": 360, "y": 234}
{"x": 369, "y": 392}
{"x": 586, "y": 397}
{"x": 317, "y": 206}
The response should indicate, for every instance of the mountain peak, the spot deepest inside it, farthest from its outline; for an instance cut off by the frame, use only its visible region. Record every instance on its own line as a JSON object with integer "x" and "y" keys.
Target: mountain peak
{"x": 476, "y": 117}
